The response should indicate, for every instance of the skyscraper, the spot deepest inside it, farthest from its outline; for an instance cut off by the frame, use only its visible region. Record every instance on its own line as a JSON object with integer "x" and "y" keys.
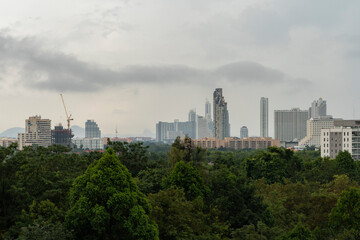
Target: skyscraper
{"x": 244, "y": 132}
{"x": 264, "y": 117}
{"x": 221, "y": 116}
{"x": 207, "y": 110}
{"x": 317, "y": 109}
{"x": 92, "y": 129}
{"x": 290, "y": 124}
{"x": 208, "y": 117}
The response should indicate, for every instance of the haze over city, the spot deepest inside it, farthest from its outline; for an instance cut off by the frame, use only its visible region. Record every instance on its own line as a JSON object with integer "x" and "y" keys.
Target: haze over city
{"x": 129, "y": 64}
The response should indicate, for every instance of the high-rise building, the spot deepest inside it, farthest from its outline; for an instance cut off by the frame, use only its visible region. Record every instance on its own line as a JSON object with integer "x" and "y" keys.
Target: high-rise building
{"x": 317, "y": 109}
{"x": 202, "y": 127}
{"x": 92, "y": 129}
{"x": 208, "y": 117}
{"x": 221, "y": 116}
{"x": 92, "y": 140}
{"x": 290, "y": 124}
{"x": 192, "y": 115}
{"x": 169, "y": 131}
{"x": 37, "y": 132}
{"x": 207, "y": 110}
{"x": 61, "y": 136}
{"x": 244, "y": 132}
{"x": 313, "y": 130}
{"x": 264, "y": 117}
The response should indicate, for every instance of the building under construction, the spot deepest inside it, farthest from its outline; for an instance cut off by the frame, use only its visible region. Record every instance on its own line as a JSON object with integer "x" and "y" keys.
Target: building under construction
{"x": 61, "y": 136}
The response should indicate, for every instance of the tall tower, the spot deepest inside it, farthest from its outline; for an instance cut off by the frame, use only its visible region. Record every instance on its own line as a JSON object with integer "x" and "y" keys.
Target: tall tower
{"x": 208, "y": 110}
{"x": 92, "y": 129}
{"x": 264, "y": 117}
{"x": 317, "y": 109}
{"x": 221, "y": 116}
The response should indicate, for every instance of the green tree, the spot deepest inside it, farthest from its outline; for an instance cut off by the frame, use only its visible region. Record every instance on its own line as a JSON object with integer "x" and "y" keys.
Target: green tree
{"x": 187, "y": 177}
{"x": 236, "y": 199}
{"x": 106, "y": 203}
{"x": 346, "y": 214}
{"x": 299, "y": 232}
{"x": 179, "y": 218}
{"x": 133, "y": 155}
{"x": 346, "y": 165}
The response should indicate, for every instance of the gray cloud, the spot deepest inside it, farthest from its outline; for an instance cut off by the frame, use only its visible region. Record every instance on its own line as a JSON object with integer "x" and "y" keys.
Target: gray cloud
{"x": 54, "y": 71}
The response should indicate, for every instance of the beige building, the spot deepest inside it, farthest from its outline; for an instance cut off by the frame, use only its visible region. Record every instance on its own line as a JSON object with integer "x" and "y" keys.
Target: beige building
{"x": 37, "y": 132}
{"x": 6, "y": 142}
{"x": 344, "y": 136}
{"x": 314, "y": 126}
{"x": 236, "y": 143}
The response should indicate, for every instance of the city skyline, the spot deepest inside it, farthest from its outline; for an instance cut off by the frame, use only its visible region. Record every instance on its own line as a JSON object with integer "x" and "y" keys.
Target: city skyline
{"x": 128, "y": 64}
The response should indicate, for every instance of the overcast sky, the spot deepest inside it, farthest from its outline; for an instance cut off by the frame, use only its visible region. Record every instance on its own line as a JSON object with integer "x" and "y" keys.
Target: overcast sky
{"x": 131, "y": 63}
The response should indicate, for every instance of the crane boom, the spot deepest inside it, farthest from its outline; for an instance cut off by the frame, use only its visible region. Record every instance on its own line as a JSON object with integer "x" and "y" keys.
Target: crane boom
{"x": 68, "y": 117}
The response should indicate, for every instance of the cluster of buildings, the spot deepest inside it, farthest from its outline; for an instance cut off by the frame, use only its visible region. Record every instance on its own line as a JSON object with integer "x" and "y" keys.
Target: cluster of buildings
{"x": 38, "y": 132}
{"x": 299, "y": 129}
{"x": 208, "y": 133}
{"x": 293, "y": 128}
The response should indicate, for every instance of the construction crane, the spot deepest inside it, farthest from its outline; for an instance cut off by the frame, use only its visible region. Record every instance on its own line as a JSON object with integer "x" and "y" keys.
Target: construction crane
{"x": 68, "y": 117}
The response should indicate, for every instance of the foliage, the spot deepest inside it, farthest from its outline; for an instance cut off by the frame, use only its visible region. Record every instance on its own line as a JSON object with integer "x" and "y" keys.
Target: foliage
{"x": 236, "y": 199}
{"x": 179, "y": 218}
{"x": 274, "y": 165}
{"x": 106, "y": 203}
{"x": 194, "y": 193}
{"x": 187, "y": 177}
{"x": 133, "y": 155}
{"x": 346, "y": 214}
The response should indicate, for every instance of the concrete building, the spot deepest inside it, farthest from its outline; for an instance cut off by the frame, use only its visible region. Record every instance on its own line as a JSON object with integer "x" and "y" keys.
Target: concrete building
{"x": 92, "y": 129}
{"x": 37, "y": 132}
{"x": 208, "y": 117}
{"x": 236, "y": 143}
{"x": 317, "y": 109}
{"x": 244, "y": 132}
{"x": 221, "y": 116}
{"x": 334, "y": 140}
{"x": 290, "y": 125}
{"x": 89, "y": 143}
{"x": 314, "y": 126}
{"x": 203, "y": 128}
{"x": 264, "y": 117}
{"x": 61, "y": 136}
{"x": 169, "y": 131}
{"x": 6, "y": 142}
{"x": 344, "y": 136}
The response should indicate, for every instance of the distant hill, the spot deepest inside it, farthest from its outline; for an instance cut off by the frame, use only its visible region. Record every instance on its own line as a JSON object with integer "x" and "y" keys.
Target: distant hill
{"x": 78, "y": 131}
{"x": 12, "y": 132}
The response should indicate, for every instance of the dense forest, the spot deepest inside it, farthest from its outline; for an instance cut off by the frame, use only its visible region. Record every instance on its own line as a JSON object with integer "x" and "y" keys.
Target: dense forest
{"x": 138, "y": 191}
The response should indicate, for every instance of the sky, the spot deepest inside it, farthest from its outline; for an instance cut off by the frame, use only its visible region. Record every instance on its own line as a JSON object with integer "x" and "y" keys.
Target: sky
{"x": 128, "y": 64}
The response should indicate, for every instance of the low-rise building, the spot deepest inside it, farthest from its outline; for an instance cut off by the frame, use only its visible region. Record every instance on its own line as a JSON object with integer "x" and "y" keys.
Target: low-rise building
{"x": 236, "y": 143}
{"x": 89, "y": 143}
{"x": 6, "y": 142}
